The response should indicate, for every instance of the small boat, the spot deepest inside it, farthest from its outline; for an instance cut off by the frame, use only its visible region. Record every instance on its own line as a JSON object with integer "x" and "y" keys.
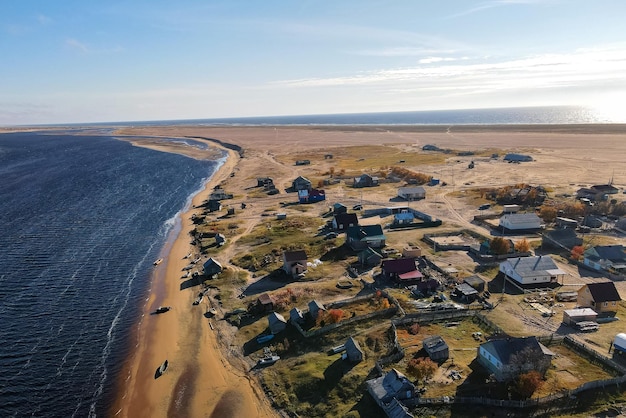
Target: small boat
{"x": 264, "y": 338}
{"x": 213, "y": 311}
{"x": 163, "y": 367}
{"x": 198, "y": 299}
{"x": 162, "y": 309}
{"x": 267, "y": 360}
{"x": 187, "y": 274}
{"x": 157, "y": 262}
{"x": 188, "y": 256}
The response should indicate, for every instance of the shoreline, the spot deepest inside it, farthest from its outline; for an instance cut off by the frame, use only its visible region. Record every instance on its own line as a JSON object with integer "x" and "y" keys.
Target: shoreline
{"x": 198, "y": 376}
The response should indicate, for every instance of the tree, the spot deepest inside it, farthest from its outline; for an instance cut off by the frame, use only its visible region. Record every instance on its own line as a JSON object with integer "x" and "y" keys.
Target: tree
{"x": 528, "y": 383}
{"x": 421, "y": 369}
{"x": 548, "y": 213}
{"x": 335, "y": 315}
{"x": 522, "y": 246}
{"x": 577, "y": 252}
{"x": 499, "y": 246}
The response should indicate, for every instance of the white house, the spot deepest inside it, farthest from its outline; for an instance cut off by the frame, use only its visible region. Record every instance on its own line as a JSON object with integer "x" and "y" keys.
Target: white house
{"x": 520, "y": 221}
{"x": 412, "y": 193}
{"x": 531, "y": 270}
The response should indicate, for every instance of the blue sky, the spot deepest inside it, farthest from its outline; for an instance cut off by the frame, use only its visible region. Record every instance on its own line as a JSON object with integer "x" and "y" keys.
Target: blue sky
{"x": 95, "y": 61}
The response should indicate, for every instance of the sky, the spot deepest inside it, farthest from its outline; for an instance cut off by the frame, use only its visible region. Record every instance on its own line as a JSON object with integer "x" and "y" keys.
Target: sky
{"x": 78, "y": 61}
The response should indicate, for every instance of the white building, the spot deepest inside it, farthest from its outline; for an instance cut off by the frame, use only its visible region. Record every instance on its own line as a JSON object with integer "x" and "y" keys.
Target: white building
{"x": 412, "y": 193}
{"x": 531, "y": 270}
{"x": 520, "y": 221}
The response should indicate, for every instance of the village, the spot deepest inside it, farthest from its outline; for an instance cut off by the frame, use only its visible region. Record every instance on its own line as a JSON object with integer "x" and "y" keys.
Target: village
{"x": 409, "y": 286}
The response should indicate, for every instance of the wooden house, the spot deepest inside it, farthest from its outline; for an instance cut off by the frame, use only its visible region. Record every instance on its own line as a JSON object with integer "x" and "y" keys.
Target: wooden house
{"x": 602, "y": 297}
{"x": 365, "y": 180}
{"x": 611, "y": 258}
{"x": 212, "y": 267}
{"x": 311, "y": 195}
{"x": 369, "y": 257}
{"x": 392, "y": 269}
{"x": 507, "y": 358}
{"x": 342, "y": 221}
{"x": 315, "y": 308}
{"x": 295, "y": 262}
{"x": 412, "y": 193}
{"x": 389, "y": 390}
{"x": 296, "y": 316}
{"x": 573, "y": 316}
{"x": 436, "y": 348}
{"x": 361, "y": 237}
{"x": 276, "y": 322}
{"x": 264, "y": 303}
{"x": 353, "y": 354}
{"x": 301, "y": 183}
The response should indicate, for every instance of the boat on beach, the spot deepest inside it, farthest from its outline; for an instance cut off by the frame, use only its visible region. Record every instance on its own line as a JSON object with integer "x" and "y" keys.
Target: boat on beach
{"x": 157, "y": 262}
{"x": 267, "y": 360}
{"x": 163, "y": 367}
{"x": 162, "y": 309}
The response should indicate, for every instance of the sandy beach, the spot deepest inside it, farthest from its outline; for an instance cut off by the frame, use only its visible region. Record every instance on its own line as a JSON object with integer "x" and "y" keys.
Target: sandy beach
{"x": 207, "y": 377}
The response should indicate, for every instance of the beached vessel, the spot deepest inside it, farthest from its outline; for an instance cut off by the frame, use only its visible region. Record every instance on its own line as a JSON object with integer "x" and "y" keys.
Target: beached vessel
{"x": 163, "y": 367}
{"x": 157, "y": 262}
{"x": 213, "y": 311}
{"x": 162, "y": 309}
{"x": 267, "y": 360}
{"x": 199, "y": 299}
{"x": 264, "y": 338}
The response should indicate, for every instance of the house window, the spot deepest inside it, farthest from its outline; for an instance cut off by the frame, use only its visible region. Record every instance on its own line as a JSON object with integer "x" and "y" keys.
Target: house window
{"x": 606, "y": 304}
{"x": 613, "y": 303}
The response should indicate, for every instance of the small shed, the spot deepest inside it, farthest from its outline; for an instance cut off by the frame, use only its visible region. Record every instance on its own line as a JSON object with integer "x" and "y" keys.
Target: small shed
{"x": 276, "y": 322}
{"x": 411, "y": 251}
{"x": 314, "y": 309}
{"x": 353, "y": 354}
{"x": 476, "y": 282}
{"x": 264, "y": 303}
{"x": 436, "y": 348}
{"x": 220, "y": 239}
{"x": 212, "y": 267}
{"x": 572, "y": 316}
{"x": 370, "y": 257}
{"x": 465, "y": 292}
{"x": 296, "y": 316}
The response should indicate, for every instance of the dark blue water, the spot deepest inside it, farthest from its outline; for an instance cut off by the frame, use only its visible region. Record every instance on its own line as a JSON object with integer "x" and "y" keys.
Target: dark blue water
{"x": 500, "y": 116}
{"x": 83, "y": 218}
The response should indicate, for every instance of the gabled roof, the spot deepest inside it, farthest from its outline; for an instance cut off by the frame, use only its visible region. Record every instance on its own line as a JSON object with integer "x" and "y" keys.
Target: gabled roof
{"x": 363, "y": 232}
{"x": 614, "y": 253}
{"x": 525, "y": 266}
{"x": 275, "y": 318}
{"x": 301, "y": 179}
{"x": 603, "y": 292}
{"x": 505, "y": 348}
{"x": 434, "y": 344}
{"x": 296, "y": 255}
{"x": 314, "y": 304}
{"x": 399, "y": 265}
{"x": 521, "y": 218}
{"x": 265, "y": 299}
{"x": 352, "y": 345}
{"x": 346, "y": 219}
{"x": 411, "y": 189}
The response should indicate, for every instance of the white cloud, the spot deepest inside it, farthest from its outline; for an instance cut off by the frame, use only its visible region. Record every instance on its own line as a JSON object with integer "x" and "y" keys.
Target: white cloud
{"x": 497, "y": 3}
{"x": 76, "y": 44}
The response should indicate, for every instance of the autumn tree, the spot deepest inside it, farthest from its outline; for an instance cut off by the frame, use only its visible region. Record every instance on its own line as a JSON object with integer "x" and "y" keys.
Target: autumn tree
{"x": 527, "y": 383}
{"x": 548, "y": 213}
{"x": 577, "y": 252}
{"x": 522, "y": 246}
{"x": 421, "y": 369}
{"x": 335, "y": 315}
{"x": 499, "y": 246}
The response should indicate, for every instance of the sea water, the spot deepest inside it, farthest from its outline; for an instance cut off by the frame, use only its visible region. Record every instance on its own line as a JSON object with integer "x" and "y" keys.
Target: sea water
{"x": 82, "y": 220}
